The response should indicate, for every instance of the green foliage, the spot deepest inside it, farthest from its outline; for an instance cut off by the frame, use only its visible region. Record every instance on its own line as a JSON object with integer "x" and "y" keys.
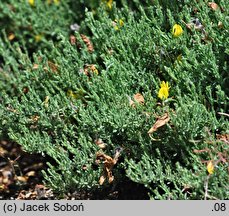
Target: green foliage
{"x": 38, "y": 112}
{"x": 34, "y": 26}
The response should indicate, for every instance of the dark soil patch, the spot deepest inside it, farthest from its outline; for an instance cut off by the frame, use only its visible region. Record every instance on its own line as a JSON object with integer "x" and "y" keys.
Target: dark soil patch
{"x": 20, "y": 178}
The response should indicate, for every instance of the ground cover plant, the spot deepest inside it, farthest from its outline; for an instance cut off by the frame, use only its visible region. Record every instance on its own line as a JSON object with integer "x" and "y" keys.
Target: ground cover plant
{"x": 116, "y": 90}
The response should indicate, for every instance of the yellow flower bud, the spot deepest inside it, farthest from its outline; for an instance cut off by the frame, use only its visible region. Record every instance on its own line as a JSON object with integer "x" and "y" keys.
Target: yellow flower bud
{"x": 177, "y": 30}
{"x": 31, "y": 2}
{"x": 210, "y": 168}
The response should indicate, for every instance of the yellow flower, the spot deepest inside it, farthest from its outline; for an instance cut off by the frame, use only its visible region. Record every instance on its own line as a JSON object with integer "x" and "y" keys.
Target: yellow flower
{"x": 31, "y": 2}
{"x": 75, "y": 95}
{"x": 121, "y": 22}
{"x": 56, "y": 2}
{"x": 11, "y": 36}
{"x": 118, "y": 24}
{"x": 38, "y": 37}
{"x": 177, "y": 30}
{"x": 164, "y": 90}
{"x": 210, "y": 168}
{"x": 179, "y": 58}
{"x": 108, "y": 3}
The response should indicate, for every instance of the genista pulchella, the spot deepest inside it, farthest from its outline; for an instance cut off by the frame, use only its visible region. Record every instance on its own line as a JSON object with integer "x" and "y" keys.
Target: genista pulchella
{"x": 148, "y": 77}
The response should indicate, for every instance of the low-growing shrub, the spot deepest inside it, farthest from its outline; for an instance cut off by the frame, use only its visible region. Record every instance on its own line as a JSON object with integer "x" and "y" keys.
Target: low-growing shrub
{"x": 95, "y": 100}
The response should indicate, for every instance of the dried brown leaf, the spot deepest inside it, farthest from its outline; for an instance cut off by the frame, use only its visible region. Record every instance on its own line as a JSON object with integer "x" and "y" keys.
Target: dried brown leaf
{"x": 139, "y": 98}
{"x": 108, "y": 163}
{"x": 53, "y": 66}
{"x": 25, "y": 90}
{"x": 11, "y": 109}
{"x": 161, "y": 121}
{"x": 30, "y": 173}
{"x": 34, "y": 118}
{"x": 72, "y": 39}
{"x": 195, "y": 10}
{"x": 88, "y": 43}
{"x": 117, "y": 154}
{"x": 40, "y": 187}
{"x": 109, "y": 175}
{"x": 220, "y": 25}
{"x": 35, "y": 66}
{"x": 90, "y": 68}
{"x": 102, "y": 179}
{"x": 105, "y": 158}
{"x": 99, "y": 142}
{"x": 84, "y": 167}
{"x": 22, "y": 178}
{"x": 223, "y": 137}
{"x": 201, "y": 150}
{"x": 223, "y": 157}
{"x": 206, "y": 38}
{"x": 27, "y": 195}
{"x": 213, "y": 5}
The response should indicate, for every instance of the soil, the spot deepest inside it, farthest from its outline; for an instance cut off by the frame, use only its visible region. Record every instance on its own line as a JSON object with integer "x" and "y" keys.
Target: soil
{"x": 21, "y": 178}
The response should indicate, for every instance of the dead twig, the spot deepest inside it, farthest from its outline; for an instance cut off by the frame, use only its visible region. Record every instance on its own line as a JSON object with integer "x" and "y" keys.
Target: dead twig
{"x": 206, "y": 188}
{"x": 224, "y": 114}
